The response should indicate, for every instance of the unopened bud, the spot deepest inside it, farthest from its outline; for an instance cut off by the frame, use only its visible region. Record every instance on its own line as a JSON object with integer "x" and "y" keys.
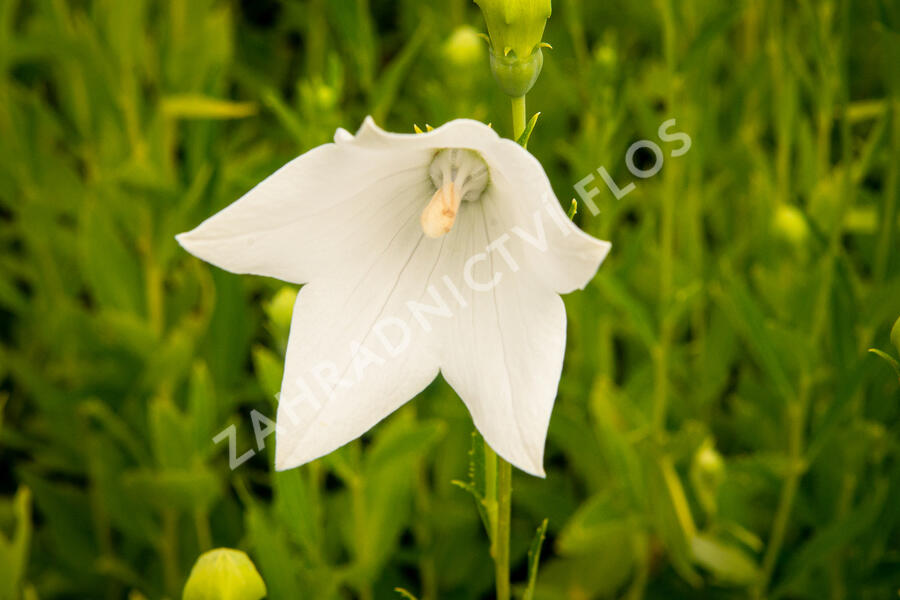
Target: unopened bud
{"x": 224, "y": 573}
{"x": 707, "y": 472}
{"x": 281, "y": 307}
{"x": 790, "y": 225}
{"x": 463, "y": 48}
{"x": 515, "y": 28}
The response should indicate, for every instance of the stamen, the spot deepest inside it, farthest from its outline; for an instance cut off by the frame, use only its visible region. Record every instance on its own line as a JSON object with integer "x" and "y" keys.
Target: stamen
{"x": 440, "y": 213}
{"x": 458, "y": 175}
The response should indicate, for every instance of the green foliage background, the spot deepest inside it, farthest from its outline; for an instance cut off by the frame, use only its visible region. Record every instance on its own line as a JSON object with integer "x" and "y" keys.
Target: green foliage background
{"x": 720, "y": 429}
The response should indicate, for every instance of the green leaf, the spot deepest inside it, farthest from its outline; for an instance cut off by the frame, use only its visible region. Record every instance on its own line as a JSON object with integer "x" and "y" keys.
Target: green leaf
{"x": 712, "y": 30}
{"x": 14, "y": 552}
{"x": 747, "y": 317}
{"x": 194, "y": 106}
{"x": 728, "y": 563}
{"x": 352, "y": 23}
{"x": 895, "y": 334}
{"x": 279, "y": 565}
{"x": 599, "y": 519}
{"x": 203, "y": 410}
{"x": 390, "y": 81}
{"x": 476, "y": 483}
{"x": 183, "y": 489}
{"x": 116, "y": 428}
{"x": 638, "y": 316}
{"x": 298, "y": 508}
{"x": 405, "y": 594}
{"x": 269, "y": 371}
{"x": 671, "y": 514}
{"x": 170, "y": 435}
{"x": 12, "y": 297}
{"x": 109, "y": 265}
{"x": 526, "y": 134}
{"x": 888, "y": 358}
{"x": 287, "y": 117}
{"x": 534, "y": 558}
{"x": 836, "y": 535}
{"x": 403, "y": 446}
{"x": 279, "y": 310}
{"x": 224, "y": 574}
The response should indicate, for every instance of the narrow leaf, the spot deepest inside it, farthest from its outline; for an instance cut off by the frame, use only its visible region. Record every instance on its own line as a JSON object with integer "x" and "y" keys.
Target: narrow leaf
{"x": 534, "y": 558}
{"x": 895, "y": 334}
{"x": 189, "y": 106}
{"x": 523, "y": 139}
{"x": 890, "y": 359}
{"x": 727, "y": 562}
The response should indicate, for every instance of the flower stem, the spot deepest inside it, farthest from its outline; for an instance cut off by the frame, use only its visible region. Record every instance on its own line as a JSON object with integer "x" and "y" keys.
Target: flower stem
{"x": 498, "y": 499}
{"x": 501, "y": 536}
{"x": 518, "y": 116}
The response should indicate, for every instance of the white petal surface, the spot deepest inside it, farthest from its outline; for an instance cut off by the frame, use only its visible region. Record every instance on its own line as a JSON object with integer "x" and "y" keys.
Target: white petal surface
{"x": 347, "y": 366}
{"x": 320, "y": 211}
{"x": 505, "y": 348}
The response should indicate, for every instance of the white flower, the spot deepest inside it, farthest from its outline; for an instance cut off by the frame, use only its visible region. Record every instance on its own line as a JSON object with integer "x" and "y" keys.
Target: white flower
{"x": 443, "y": 251}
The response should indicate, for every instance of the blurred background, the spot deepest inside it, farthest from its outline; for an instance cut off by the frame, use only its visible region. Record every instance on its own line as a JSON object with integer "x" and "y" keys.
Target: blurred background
{"x": 720, "y": 432}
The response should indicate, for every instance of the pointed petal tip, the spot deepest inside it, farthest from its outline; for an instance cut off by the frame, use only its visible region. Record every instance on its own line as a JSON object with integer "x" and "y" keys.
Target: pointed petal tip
{"x": 537, "y": 466}
{"x": 525, "y": 461}
{"x": 369, "y": 123}
{"x": 342, "y": 135}
{"x": 184, "y": 240}
{"x": 604, "y": 249}
{"x": 192, "y": 243}
{"x": 535, "y": 469}
{"x": 283, "y": 460}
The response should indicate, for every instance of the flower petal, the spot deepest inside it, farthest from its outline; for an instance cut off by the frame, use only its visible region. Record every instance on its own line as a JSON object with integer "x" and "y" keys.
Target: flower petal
{"x": 355, "y": 352}
{"x": 522, "y": 202}
{"x": 505, "y": 349}
{"x": 319, "y": 211}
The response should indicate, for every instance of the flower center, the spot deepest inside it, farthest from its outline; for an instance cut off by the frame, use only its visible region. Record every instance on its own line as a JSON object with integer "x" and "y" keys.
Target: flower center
{"x": 458, "y": 174}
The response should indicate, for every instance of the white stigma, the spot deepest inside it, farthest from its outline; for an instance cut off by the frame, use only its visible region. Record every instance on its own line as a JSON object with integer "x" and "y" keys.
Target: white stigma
{"x": 457, "y": 175}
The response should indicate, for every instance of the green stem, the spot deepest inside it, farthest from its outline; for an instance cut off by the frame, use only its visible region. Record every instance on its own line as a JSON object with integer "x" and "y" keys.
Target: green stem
{"x": 498, "y": 499}
{"x": 796, "y": 418}
{"x": 504, "y": 504}
{"x": 201, "y": 524}
{"x": 316, "y": 28}
{"x": 518, "y": 116}
{"x": 889, "y": 220}
{"x": 169, "y": 551}
{"x": 667, "y": 248}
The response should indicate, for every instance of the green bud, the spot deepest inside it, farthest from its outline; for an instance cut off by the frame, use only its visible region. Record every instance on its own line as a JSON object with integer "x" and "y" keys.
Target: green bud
{"x": 515, "y": 28}
{"x": 224, "y": 574}
{"x": 280, "y": 308}
{"x": 516, "y": 76}
{"x": 706, "y": 473}
{"x": 463, "y": 48}
{"x": 895, "y": 334}
{"x": 790, "y": 225}
{"x": 606, "y": 56}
